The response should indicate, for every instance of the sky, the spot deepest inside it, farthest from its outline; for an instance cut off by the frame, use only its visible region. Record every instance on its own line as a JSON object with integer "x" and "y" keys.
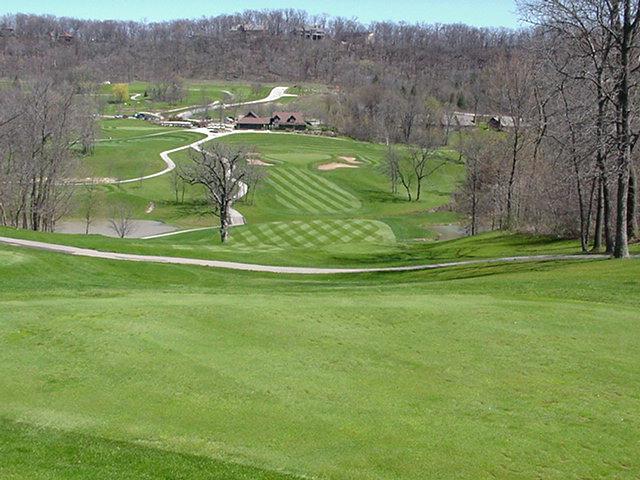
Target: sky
{"x": 484, "y": 13}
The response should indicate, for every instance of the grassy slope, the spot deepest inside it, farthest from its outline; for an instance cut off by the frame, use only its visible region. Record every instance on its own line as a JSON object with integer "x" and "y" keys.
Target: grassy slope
{"x": 131, "y": 148}
{"x": 516, "y": 371}
{"x": 197, "y": 93}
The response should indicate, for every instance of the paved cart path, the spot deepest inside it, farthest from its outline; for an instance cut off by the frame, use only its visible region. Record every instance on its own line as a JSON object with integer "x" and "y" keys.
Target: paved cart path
{"x": 85, "y": 252}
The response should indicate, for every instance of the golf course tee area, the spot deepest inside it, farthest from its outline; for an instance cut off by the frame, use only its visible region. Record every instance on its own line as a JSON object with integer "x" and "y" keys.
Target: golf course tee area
{"x": 114, "y": 369}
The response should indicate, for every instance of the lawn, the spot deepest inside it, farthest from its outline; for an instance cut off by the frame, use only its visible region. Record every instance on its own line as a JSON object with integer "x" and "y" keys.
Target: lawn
{"x": 131, "y": 148}
{"x": 296, "y": 206}
{"x": 297, "y": 189}
{"x": 123, "y": 370}
{"x": 196, "y": 93}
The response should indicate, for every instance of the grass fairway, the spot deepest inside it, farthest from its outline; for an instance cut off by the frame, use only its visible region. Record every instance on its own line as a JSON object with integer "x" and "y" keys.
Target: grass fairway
{"x": 345, "y": 210}
{"x": 131, "y": 148}
{"x": 197, "y": 92}
{"x": 120, "y": 370}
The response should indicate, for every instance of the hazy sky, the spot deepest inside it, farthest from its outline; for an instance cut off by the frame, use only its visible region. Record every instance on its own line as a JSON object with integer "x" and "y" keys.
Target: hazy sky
{"x": 473, "y": 12}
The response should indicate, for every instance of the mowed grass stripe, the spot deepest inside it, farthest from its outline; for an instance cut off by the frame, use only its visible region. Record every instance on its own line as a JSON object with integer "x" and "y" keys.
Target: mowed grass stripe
{"x": 312, "y": 189}
{"x": 330, "y": 189}
{"x": 354, "y": 201}
{"x": 299, "y": 196}
{"x": 298, "y": 234}
{"x": 288, "y": 199}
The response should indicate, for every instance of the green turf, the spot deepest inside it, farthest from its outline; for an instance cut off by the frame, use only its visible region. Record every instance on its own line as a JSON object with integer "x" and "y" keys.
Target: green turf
{"x": 196, "y": 93}
{"x": 123, "y": 370}
{"x": 131, "y": 148}
{"x": 295, "y": 191}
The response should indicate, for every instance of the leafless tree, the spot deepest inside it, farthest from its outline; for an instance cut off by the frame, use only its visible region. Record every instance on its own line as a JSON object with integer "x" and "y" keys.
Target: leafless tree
{"x": 178, "y": 185}
{"x": 121, "y": 219}
{"x": 89, "y": 204}
{"x": 481, "y": 151}
{"x": 513, "y": 95}
{"x": 604, "y": 34}
{"x": 221, "y": 169}
{"x": 39, "y": 154}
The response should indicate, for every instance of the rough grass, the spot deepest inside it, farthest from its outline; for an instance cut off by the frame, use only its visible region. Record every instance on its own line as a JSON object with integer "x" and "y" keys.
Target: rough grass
{"x": 123, "y": 370}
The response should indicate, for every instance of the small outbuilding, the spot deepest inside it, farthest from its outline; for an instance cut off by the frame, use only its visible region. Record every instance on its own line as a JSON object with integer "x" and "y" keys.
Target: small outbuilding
{"x": 501, "y": 122}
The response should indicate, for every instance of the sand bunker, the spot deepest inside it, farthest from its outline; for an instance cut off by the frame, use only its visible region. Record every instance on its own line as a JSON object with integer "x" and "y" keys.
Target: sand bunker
{"x": 260, "y": 163}
{"x": 351, "y": 160}
{"x": 334, "y": 166}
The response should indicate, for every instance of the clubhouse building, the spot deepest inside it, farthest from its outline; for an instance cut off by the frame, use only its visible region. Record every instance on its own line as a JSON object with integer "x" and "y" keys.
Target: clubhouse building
{"x": 277, "y": 121}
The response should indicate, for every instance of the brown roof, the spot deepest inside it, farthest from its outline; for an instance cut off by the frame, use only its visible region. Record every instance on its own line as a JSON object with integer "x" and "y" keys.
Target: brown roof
{"x": 252, "y": 119}
{"x": 290, "y": 118}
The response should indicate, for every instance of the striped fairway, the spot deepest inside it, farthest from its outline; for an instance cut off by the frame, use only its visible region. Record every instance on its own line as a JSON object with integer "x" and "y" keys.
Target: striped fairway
{"x": 299, "y": 234}
{"x": 300, "y": 190}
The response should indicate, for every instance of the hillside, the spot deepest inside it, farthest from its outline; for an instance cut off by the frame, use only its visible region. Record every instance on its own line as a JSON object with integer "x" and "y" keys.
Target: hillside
{"x": 126, "y": 370}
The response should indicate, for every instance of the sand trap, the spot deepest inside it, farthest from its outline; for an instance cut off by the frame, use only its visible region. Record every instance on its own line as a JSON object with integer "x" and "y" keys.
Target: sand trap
{"x": 351, "y": 160}
{"x": 334, "y": 166}
{"x": 260, "y": 163}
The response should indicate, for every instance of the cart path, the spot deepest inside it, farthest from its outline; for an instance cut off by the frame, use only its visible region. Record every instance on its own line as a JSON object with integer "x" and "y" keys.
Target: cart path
{"x": 275, "y": 94}
{"x": 248, "y": 267}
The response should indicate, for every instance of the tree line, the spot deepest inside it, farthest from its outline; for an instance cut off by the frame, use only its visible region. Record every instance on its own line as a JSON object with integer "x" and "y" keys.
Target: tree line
{"x": 44, "y": 127}
{"x": 567, "y": 164}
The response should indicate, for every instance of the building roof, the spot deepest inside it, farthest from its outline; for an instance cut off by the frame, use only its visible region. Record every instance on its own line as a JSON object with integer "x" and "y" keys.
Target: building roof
{"x": 252, "y": 119}
{"x": 503, "y": 121}
{"x": 249, "y": 28}
{"x": 459, "y": 119}
{"x": 289, "y": 118}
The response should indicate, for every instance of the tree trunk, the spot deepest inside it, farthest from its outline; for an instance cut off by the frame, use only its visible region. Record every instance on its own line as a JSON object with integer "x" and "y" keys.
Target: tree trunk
{"x": 597, "y": 235}
{"x": 622, "y": 244}
{"x": 632, "y": 206}
{"x": 512, "y": 178}
{"x": 624, "y": 135}
{"x": 474, "y": 208}
{"x": 608, "y": 217}
{"x": 224, "y": 224}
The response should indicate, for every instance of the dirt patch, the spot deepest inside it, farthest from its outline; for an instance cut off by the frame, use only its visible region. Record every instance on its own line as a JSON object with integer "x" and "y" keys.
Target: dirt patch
{"x": 258, "y": 162}
{"x": 351, "y": 160}
{"x": 334, "y": 166}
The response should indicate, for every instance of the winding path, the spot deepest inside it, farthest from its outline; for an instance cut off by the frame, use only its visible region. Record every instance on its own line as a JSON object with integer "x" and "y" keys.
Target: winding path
{"x": 249, "y": 267}
{"x": 274, "y": 95}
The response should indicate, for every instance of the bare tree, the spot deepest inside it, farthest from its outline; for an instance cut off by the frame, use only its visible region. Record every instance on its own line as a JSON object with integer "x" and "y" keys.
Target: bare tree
{"x": 221, "y": 169}
{"x": 39, "y": 158}
{"x": 89, "y": 204}
{"x": 424, "y": 160}
{"x": 605, "y": 35}
{"x": 121, "y": 219}
{"x": 513, "y": 95}
{"x": 481, "y": 152}
{"x": 178, "y": 185}
{"x": 391, "y": 167}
